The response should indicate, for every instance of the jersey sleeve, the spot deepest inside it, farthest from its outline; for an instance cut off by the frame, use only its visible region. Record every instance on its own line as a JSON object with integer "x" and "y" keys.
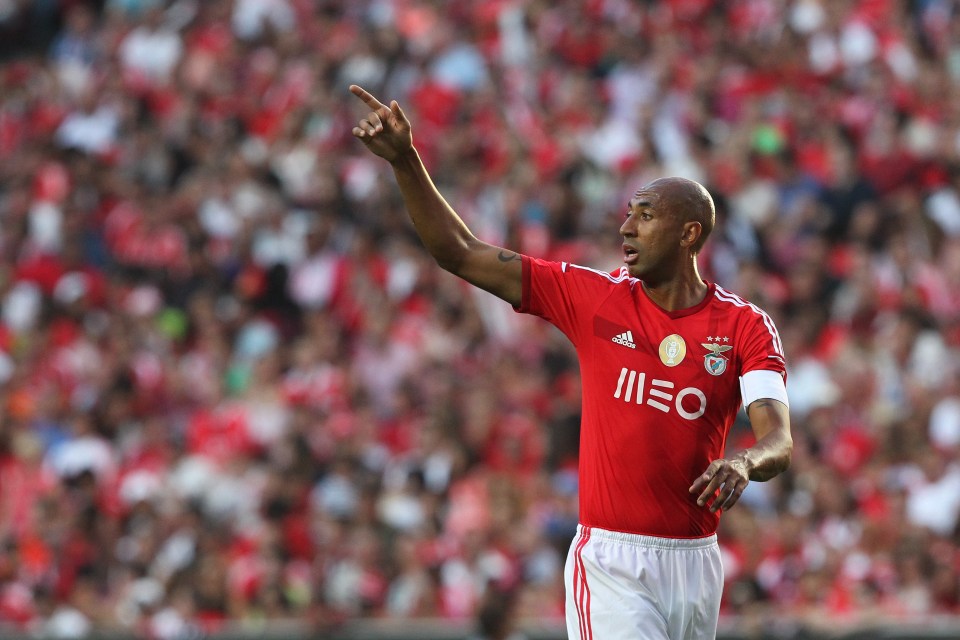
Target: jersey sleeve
{"x": 564, "y": 294}
{"x": 762, "y": 349}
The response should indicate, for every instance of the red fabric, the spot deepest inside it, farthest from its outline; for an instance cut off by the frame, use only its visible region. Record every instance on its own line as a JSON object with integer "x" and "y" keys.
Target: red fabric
{"x": 220, "y": 434}
{"x": 21, "y": 486}
{"x": 648, "y": 429}
{"x": 137, "y": 241}
{"x": 52, "y": 182}
{"x": 44, "y": 270}
{"x": 436, "y": 103}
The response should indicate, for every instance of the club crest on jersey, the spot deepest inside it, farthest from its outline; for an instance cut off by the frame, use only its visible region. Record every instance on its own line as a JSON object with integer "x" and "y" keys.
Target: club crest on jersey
{"x": 713, "y": 362}
{"x": 672, "y": 350}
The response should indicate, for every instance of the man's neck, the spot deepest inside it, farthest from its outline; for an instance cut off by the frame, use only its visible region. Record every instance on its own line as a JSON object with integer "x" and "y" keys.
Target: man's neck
{"x": 682, "y": 292}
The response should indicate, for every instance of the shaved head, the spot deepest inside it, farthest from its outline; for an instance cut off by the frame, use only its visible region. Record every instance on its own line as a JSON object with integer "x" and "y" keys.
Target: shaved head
{"x": 689, "y": 201}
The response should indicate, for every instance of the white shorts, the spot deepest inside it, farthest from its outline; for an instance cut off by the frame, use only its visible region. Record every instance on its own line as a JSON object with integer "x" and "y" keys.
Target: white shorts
{"x": 622, "y": 585}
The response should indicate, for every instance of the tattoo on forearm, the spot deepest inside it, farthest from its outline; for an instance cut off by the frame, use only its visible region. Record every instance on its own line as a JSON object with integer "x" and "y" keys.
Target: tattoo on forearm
{"x": 507, "y": 256}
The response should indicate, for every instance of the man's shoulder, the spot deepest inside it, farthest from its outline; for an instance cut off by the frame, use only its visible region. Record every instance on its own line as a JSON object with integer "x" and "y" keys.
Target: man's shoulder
{"x": 617, "y": 276}
{"x": 580, "y": 272}
{"x": 743, "y": 317}
{"x": 732, "y": 303}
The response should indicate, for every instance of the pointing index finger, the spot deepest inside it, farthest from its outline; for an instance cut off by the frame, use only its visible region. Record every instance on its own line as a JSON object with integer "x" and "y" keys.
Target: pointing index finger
{"x": 367, "y": 97}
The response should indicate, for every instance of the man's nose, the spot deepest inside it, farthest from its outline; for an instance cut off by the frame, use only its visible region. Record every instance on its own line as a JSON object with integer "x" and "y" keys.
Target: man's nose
{"x": 628, "y": 228}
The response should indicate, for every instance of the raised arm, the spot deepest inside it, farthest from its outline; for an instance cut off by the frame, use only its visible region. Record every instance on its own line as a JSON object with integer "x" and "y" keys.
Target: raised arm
{"x": 386, "y": 132}
{"x": 768, "y": 457}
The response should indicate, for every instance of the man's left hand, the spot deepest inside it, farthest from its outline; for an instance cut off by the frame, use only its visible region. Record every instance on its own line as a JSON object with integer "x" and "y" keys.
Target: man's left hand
{"x": 730, "y": 476}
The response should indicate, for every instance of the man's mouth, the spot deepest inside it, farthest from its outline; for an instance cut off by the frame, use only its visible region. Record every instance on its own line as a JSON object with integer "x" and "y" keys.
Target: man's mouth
{"x": 630, "y": 254}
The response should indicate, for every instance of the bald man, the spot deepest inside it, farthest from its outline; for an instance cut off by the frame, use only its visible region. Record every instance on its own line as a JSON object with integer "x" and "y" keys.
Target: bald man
{"x": 666, "y": 359}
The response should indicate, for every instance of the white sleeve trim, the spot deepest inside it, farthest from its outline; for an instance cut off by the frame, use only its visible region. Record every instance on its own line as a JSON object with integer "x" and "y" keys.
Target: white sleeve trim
{"x": 762, "y": 383}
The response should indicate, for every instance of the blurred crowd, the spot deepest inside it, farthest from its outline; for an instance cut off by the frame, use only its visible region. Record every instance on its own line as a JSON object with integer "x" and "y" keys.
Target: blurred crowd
{"x": 234, "y": 388}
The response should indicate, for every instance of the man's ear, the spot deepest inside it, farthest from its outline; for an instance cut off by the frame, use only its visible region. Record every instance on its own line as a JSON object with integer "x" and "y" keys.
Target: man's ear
{"x": 692, "y": 231}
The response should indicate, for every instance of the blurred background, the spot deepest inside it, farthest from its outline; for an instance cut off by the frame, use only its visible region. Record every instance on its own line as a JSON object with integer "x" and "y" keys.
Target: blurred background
{"x": 237, "y": 399}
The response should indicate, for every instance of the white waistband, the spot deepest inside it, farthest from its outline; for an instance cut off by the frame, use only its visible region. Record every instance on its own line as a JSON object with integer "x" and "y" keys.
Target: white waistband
{"x": 593, "y": 533}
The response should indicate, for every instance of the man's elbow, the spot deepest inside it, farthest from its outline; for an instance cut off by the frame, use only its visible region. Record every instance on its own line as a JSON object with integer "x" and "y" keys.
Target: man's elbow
{"x": 455, "y": 257}
{"x": 451, "y": 261}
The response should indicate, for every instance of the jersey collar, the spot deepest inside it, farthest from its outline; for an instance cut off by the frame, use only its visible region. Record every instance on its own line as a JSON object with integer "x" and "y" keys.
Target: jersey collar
{"x": 682, "y": 313}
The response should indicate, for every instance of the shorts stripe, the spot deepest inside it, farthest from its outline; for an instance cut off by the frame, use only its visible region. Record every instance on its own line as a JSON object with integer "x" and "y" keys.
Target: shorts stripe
{"x": 586, "y": 588}
{"x": 577, "y": 592}
{"x": 583, "y": 600}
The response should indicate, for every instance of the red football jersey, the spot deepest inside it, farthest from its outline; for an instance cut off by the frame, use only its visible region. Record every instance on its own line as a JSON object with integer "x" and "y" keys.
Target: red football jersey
{"x": 660, "y": 390}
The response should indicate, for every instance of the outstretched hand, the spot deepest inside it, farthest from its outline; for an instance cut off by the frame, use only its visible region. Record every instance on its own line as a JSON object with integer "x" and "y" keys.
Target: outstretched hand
{"x": 385, "y": 130}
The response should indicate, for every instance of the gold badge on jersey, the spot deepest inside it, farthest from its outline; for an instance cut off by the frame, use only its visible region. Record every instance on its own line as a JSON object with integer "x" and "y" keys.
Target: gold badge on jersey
{"x": 672, "y": 350}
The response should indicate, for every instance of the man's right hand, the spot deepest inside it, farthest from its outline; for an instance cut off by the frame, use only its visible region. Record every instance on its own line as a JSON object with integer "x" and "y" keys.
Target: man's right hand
{"x": 385, "y": 130}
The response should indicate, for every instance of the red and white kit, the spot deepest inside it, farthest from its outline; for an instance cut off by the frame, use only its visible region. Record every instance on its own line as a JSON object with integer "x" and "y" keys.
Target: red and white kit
{"x": 660, "y": 392}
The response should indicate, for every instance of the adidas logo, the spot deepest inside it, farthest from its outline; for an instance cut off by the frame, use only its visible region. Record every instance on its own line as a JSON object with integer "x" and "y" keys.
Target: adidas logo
{"x": 625, "y": 339}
